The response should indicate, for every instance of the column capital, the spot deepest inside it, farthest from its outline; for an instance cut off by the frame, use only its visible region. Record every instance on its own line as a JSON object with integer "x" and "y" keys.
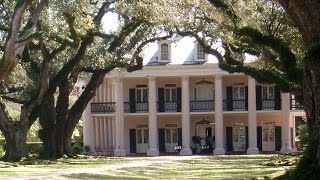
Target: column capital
{"x": 185, "y": 77}
{"x": 218, "y": 76}
{"x": 151, "y": 78}
{"x": 251, "y": 78}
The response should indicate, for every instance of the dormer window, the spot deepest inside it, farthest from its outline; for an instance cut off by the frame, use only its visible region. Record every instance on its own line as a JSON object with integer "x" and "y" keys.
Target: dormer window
{"x": 164, "y": 51}
{"x": 199, "y": 53}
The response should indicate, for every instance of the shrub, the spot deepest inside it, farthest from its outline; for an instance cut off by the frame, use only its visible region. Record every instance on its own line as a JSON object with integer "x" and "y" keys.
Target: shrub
{"x": 34, "y": 147}
{"x": 76, "y": 149}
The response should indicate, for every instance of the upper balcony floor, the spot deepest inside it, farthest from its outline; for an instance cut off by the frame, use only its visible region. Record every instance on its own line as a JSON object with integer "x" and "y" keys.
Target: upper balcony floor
{"x": 201, "y": 94}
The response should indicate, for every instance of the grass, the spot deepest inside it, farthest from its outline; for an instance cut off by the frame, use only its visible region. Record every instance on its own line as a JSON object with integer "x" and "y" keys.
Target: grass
{"x": 32, "y": 166}
{"x": 203, "y": 167}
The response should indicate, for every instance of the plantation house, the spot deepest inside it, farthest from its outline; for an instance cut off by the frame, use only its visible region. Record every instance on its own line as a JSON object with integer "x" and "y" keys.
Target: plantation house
{"x": 181, "y": 99}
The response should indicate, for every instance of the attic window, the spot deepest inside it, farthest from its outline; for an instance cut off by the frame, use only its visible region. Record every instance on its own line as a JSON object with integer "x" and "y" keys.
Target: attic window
{"x": 200, "y": 52}
{"x": 164, "y": 51}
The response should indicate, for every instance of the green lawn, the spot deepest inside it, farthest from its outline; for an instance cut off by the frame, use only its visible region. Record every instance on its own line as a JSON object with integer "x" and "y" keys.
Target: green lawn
{"x": 200, "y": 167}
{"x": 43, "y": 166}
{"x": 203, "y": 167}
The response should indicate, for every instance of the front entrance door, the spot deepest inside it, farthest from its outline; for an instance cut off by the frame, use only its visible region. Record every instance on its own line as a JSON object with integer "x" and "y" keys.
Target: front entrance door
{"x": 142, "y": 140}
{"x": 268, "y": 136}
{"x": 239, "y": 137}
{"x": 171, "y": 139}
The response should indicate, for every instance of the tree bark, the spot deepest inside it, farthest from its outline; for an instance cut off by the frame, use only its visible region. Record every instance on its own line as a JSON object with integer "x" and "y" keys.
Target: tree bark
{"x": 47, "y": 133}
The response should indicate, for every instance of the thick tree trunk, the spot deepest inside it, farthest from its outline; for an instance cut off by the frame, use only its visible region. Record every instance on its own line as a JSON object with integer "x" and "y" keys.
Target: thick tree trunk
{"x": 15, "y": 146}
{"x": 47, "y": 133}
{"x": 62, "y": 108}
{"x": 15, "y": 133}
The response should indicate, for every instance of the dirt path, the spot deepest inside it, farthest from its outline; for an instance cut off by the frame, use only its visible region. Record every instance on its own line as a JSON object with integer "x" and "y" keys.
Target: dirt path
{"x": 160, "y": 159}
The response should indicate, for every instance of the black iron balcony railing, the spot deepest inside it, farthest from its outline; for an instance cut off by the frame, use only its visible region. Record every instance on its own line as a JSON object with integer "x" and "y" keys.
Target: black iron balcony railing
{"x": 202, "y": 106}
{"x": 294, "y": 105}
{"x": 195, "y": 106}
{"x": 108, "y": 107}
{"x": 141, "y": 106}
{"x": 170, "y": 106}
{"x": 235, "y": 105}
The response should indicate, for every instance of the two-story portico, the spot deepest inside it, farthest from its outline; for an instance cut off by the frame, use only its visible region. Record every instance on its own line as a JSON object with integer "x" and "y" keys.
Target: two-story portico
{"x": 164, "y": 106}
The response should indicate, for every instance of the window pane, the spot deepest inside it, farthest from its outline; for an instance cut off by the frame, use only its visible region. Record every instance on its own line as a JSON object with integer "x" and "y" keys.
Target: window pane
{"x": 264, "y": 92}
{"x": 271, "y": 92}
{"x": 146, "y": 136}
{"x": 145, "y": 95}
{"x": 174, "y": 94}
{"x": 174, "y": 135}
{"x": 168, "y": 136}
{"x": 200, "y": 52}
{"x": 242, "y": 93}
{"x": 235, "y": 93}
{"x": 167, "y": 95}
{"x": 138, "y": 95}
{"x": 139, "y": 136}
{"x": 164, "y": 52}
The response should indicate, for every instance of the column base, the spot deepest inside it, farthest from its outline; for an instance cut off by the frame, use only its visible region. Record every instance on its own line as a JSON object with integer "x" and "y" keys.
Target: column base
{"x": 119, "y": 152}
{"x": 153, "y": 152}
{"x": 286, "y": 150}
{"x": 185, "y": 152}
{"x": 294, "y": 149}
{"x": 219, "y": 151}
{"x": 253, "y": 151}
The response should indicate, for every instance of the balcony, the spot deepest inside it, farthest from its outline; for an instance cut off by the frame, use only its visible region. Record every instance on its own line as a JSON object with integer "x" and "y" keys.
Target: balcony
{"x": 202, "y": 106}
{"x": 294, "y": 105}
{"x": 195, "y": 106}
{"x": 109, "y": 107}
{"x": 235, "y": 105}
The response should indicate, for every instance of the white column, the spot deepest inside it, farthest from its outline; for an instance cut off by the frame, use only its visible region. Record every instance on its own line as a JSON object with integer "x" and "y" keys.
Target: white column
{"x": 97, "y": 126}
{"x": 105, "y": 128}
{"x": 153, "y": 127}
{"x": 101, "y": 124}
{"x": 110, "y": 134}
{"x": 285, "y": 125}
{"x": 185, "y": 111}
{"x": 252, "y": 117}
{"x": 218, "y": 106}
{"x": 293, "y": 121}
{"x": 119, "y": 149}
{"x": 88, "y": 127}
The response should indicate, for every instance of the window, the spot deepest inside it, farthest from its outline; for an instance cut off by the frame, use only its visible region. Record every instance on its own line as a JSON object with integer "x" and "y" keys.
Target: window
{"x": 164, "y": 51}
{"x": 170, "y": 93}
{"x": 142, "y": 94}
{"x": 239, "y": 93}
{"x": 200, "y": 52}
{"x": 267, "y": 92}
{"x": 171, "y": 135}
{"x": 142, "y": 136}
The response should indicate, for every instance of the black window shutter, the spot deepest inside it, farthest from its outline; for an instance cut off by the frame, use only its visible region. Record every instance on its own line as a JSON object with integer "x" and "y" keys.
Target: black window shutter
{"x": 229, "y": 139}
{"x": 161, "y": 99}
{"x": 259, "y": 138}
{"x": 162, "y": 143}
{"x": 258, "y": 98}
{"x": 178, "y": 99}
{"x": 179, "y": 136}
{"x": 278, "y": 137}
{"x": 277, "y": 98}
{"x": 133, "y": 142}
{"x": 132, "y": 100}
{"x": 229, "y": 98}
{"x": 246, "y": 98}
